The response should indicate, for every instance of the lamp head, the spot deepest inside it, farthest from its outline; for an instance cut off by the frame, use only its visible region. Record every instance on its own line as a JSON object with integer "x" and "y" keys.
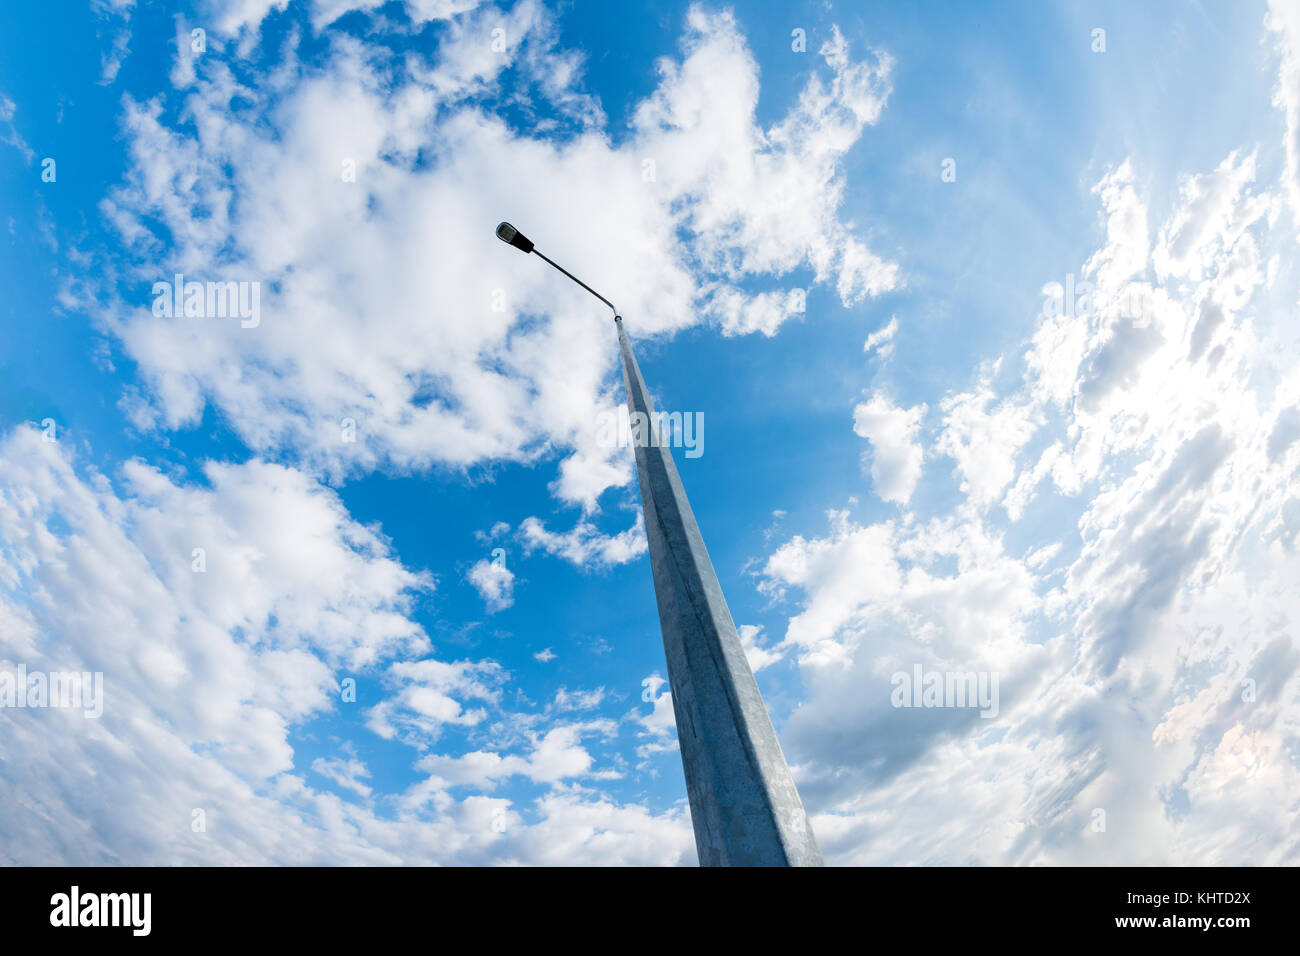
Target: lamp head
{"x": 509, "y": 234}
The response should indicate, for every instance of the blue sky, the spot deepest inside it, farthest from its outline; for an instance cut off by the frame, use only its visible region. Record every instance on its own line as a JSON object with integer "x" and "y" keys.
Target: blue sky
{"x": 922, "y": 466}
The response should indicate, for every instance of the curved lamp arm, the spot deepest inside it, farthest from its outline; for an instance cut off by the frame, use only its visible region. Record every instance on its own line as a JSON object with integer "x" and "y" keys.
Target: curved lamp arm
{"x": 512, "y": 236}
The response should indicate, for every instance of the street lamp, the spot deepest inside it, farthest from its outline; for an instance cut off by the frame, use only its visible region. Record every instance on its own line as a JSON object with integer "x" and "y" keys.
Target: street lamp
{"x": 745, "y": 808}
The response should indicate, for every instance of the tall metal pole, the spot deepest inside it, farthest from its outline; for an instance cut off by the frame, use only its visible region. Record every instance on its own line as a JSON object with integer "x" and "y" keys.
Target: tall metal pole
{"x": 745, "y": 808}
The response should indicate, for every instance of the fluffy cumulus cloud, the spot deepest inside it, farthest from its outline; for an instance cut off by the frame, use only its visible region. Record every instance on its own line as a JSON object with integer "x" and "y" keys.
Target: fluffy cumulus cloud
{"x": 494, "y": 582}
{"x": 223, "y": 617}
{"x": 359, "y": 191}
{"x": 757, "y": 651}
{"x": 895, "y": 452}
{"x": 1143, "y": 640}
{"x": 556, "y": 755}
{"x": 584, "y": 545}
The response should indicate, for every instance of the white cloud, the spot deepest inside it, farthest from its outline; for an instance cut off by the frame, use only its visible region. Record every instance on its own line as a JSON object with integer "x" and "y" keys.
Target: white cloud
{"x": 1284, "y": 19}
{"x": 494, "y": 582}
{"x": 1040, "y": 557}
{"x": 347, "y": 772}
{"x": 1125, "y": 252}
{"x": 659, "y": 726}
{"x": 556, "y": 755}
{"x": 208, "y": 673}
{"x": 765, "y": 312}
{"x": 566, "y": 700}
{"x": 584, "y": 545}
{"x": 431, "y": 694}
{"x": 984, "y": 443}
{"x": 882, "y": 340}
{"x": 397, "y": 327}
{"x": 1216, "y": 207}
{"x": 9, "y": 131}
{"x": 600, "y": 832}
{"x": 115, "y": 15}
{"x": 758, "y": 655}
{"x": 1152, "y": 677}
{"x": 895, "y": 452}
{"x": 233, "y": 16}
{"x": 218, "y": 651}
